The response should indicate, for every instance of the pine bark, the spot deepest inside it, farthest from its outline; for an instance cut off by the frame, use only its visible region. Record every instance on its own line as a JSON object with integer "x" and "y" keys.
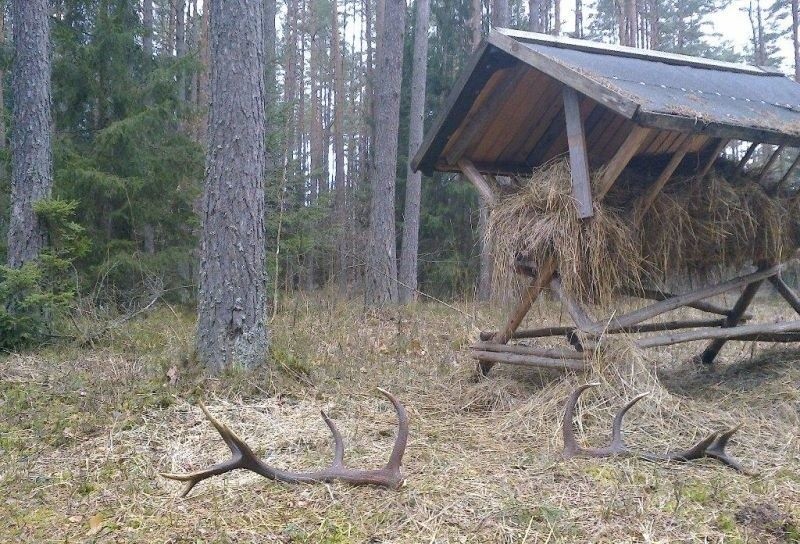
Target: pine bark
{"x": 476, "y": 23}
{"x": 180, "y": 45}
{"x": 340, "y": 195}
{"x": 407, "y": 288}
{"x": 381, "y": 273}
{"x": 31, "y": 155}
{"x": 147, "y": 28}
{"x": 796, "y": 38}
{"x": 232, "y": 298}
{"x": 500, "y": 13}
{"x": 579, "y": 19}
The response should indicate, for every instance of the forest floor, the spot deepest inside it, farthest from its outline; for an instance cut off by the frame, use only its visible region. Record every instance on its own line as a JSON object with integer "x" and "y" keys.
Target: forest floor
{"x": 84, "y": 433}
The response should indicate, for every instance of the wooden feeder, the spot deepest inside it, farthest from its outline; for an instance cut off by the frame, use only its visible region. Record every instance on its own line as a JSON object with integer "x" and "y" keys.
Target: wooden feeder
{"x": 526, "y": 98}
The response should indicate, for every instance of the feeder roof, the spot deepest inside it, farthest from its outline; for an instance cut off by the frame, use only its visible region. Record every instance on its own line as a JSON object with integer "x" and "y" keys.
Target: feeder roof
{"x": 506, "y": 114}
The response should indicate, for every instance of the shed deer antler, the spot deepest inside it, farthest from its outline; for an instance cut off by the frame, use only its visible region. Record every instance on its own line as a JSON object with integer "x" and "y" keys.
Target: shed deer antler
{"x": 711, "y": 446}
{"x": 243, "y": 457}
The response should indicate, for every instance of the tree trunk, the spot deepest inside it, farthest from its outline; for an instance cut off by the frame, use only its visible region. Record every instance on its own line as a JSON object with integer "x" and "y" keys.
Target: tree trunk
{"x": 476, "y": 23}
{"x": 180, "y": 45}
{"x": 579, "y": 19}
{"x": 796, "y": 38}
{"x": 232, "y": 298}
{"x": 500, "y": 13}
{"x": 381, "y": 274}
{"x": 147, "y": 28}
{"x": 557, "y": 17}
{"x": 31, "y": 156}
{"x": 408, "y": 260}
{"x": 340, "y": 195}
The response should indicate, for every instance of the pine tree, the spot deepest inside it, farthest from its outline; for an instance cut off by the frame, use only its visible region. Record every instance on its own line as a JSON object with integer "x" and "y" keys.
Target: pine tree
{"x": 381, "y": 273}
{"x": 231, "y": 325}
{"x": 408, "y": 261}
{"x": 31, "y": 154}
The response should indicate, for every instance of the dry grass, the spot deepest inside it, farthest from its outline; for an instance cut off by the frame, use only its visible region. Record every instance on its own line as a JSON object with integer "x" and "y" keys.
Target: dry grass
{"x": 695, "y": 228}
{"x": 84, "y": 434}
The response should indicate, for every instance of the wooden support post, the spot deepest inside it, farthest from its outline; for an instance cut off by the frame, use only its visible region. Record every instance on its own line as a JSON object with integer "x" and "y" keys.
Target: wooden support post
{"x": 648, "y": 312}
{"x": 786, "y": 292}
{"x": 542, "y": 278}
{"x": 770, "y": 162}
{"x": 578, "y": 159}
{"x": 713, "y": 158}
{"x": 787, "y": 331}
{"x": 477, "y": 179}
{"x": 477, "y": 120}
{"x": 784, "y": 180}
{"x": 578, "y": 314}
{"x": 747, "y": 155}
{"x": 620, "y": 160}
{"x": 713, "y": 348}
{"x": 651, "y": 194}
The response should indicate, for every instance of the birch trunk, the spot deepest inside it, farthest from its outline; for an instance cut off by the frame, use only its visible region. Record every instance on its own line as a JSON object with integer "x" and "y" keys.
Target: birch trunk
{"x": 31, "y": 156}
{"x": 231, "y": 326}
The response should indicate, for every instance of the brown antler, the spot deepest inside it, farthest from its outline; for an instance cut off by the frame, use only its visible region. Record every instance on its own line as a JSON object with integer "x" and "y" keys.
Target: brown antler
{"x": 711, "y": 446}
{"x": 617, "y": 444}
{"x": 243, "y": 457}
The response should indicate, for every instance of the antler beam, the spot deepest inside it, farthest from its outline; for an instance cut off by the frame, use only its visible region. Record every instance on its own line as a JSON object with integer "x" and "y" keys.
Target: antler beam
{"x": 242, "y": 457}
{"x": 711, "y": 446}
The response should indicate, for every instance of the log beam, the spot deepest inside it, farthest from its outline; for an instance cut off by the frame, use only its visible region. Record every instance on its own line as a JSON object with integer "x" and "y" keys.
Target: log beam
{"x": 786, "y": 292}
{"x": 620, "y": 160}
{"x": 575, "y": 311}
{"x": 652, "y": 192}
{"x": 713, "y": 348}
{"x": 528, "y": 360}
{"x": 770, "y": 162}
{"x": 552, "y": 353}
{"x": 477, "y": 179}
{"x": 713, "y": 158}
{"x": 653, "y": 294}
{"x": 788, "y": 331}
{"x": 642, "y": 327}
{"x": 649, "y": 312}
{"x": 785, "y": 179}
{"x": 746, "y": 157}
{"x": 578, "y": 159}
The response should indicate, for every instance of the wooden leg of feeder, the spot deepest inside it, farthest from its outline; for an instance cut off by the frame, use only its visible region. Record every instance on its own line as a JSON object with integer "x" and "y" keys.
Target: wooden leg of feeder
{"x": 528, "y": 298}
{"x": 786, "y": 292}
{"x": 711, "y": 351}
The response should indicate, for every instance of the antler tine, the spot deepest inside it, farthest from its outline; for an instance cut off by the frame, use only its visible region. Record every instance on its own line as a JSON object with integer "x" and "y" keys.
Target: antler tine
{"x": 401, "y": 440}
{"x": 571, "y": 447}
{"x": 617, "y": 445}
{"x": 717, "y": 450}
{"x": 241, "y": 457}
{"x": 338, "y": 443}
{"x": 697, "y": 451}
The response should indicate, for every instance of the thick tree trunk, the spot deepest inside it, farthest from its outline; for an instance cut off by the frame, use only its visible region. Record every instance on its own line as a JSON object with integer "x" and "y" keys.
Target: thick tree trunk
{"x": 31, "y": 156}
{"x": 232, "y": 299}
{"x": 147, "y": 28}
{"x": 557, "y": 17}
{"x": 408, "y": 259}
{"x": 500, "y": 14}
{"x": 381, "y": 274}
{"x": 579, "y": 19}
{"x": 340, "y": 195}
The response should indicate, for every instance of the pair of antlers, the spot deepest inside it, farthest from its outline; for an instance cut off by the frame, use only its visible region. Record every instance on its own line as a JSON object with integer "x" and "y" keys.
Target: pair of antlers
{"x": 243, "y": 457}
{"x": 711, "y": 446}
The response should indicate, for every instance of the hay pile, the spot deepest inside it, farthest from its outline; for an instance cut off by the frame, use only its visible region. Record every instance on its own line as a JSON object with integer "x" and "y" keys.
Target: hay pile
{"x": 694, "y": 229}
